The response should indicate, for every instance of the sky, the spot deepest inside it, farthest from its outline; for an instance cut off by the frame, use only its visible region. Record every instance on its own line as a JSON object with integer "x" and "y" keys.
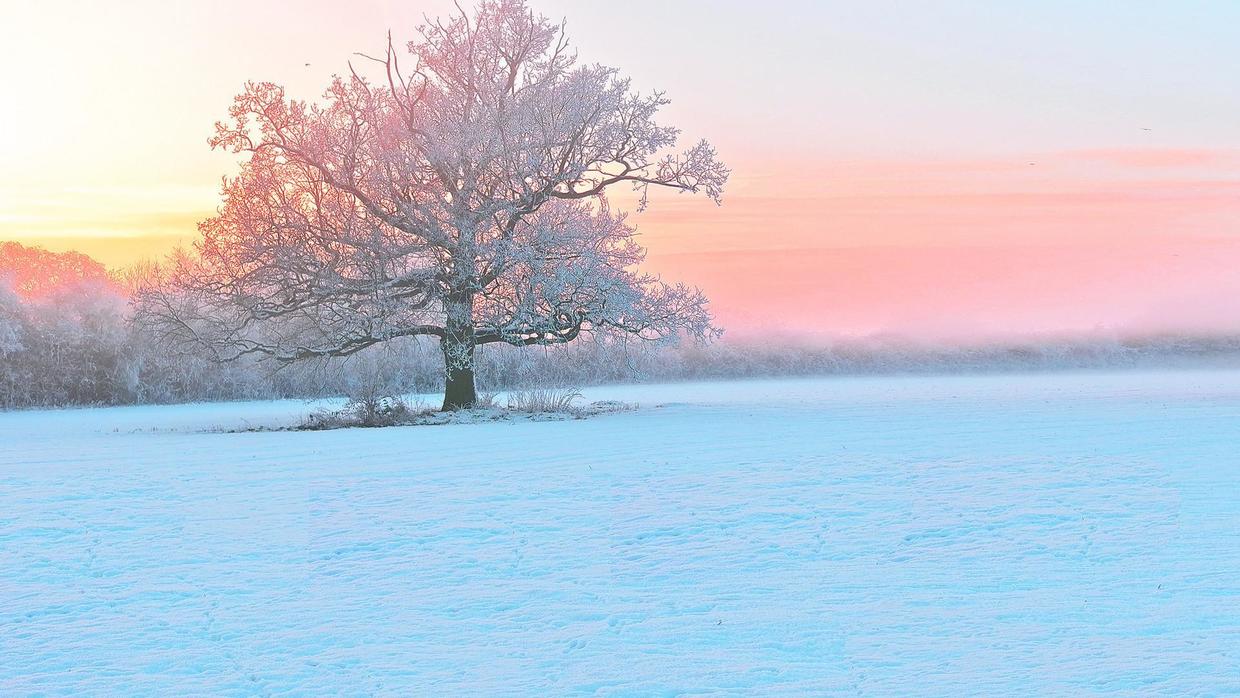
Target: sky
{"x": 929, "y": 169}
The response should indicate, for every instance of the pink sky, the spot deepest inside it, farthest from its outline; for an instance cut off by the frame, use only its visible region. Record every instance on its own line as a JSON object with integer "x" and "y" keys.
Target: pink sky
{"x": 974, "y": 169}
{"x": 1123, "y": 240}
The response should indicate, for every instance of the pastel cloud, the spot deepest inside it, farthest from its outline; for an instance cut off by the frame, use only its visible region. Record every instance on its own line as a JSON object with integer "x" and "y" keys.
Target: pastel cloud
{"x": 1161, "y": 158}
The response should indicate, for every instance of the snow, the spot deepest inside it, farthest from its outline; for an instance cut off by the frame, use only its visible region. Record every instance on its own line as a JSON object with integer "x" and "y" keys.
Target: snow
{"x": 1044, "y": 534}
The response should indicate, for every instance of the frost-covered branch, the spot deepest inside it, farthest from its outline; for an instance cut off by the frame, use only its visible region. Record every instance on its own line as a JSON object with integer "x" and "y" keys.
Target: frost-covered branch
{"x": 462, "y": 197}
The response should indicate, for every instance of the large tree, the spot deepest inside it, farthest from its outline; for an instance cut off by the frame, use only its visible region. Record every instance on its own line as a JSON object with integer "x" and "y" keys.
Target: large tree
{"x": 459, "y": 194}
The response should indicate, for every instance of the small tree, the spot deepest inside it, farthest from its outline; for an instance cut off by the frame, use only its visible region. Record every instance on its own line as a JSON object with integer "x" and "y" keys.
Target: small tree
{"x": 462, "y": 197}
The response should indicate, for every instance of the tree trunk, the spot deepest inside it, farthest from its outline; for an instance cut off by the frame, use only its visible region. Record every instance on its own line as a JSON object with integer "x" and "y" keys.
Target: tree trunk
{"x": 458, "y": 344}
{"x": 458, "y": 356}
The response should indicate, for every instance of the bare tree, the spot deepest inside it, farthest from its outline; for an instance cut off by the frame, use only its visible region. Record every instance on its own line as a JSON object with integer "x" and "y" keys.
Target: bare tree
{"x": 461, "y": 196}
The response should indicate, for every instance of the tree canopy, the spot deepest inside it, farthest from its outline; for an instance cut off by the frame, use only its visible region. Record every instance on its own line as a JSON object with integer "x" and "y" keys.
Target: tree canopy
{"x": 460, "y": 194}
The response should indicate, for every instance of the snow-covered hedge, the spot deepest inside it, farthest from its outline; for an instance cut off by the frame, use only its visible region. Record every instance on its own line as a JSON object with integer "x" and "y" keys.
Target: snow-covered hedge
{"x": 68, "y": 337}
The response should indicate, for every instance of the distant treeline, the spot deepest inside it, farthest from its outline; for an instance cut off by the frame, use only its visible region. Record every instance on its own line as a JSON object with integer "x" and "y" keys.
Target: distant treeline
{"x": 67, "y": 337}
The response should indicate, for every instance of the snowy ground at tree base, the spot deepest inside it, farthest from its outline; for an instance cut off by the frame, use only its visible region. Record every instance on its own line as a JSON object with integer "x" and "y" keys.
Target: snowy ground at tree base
{"x": 1056, "y": 534}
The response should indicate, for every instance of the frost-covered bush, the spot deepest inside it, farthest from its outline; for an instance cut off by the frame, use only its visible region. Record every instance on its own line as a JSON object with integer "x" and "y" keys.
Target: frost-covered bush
{"x": 10, "y": 322}
{"x": 543, "y": 399}
{"x": 374, "y": 381}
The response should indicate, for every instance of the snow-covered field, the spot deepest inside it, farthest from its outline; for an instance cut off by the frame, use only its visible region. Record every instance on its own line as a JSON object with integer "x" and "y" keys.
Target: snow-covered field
{"x": 1005, "y": 535}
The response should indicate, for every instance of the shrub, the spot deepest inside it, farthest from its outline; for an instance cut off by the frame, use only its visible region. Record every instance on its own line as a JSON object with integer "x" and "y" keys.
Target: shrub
{"x": 543, "y": 400}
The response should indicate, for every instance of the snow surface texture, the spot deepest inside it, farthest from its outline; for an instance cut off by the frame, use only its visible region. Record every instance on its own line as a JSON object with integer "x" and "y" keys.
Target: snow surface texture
{"x": 1003, "y": 535}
